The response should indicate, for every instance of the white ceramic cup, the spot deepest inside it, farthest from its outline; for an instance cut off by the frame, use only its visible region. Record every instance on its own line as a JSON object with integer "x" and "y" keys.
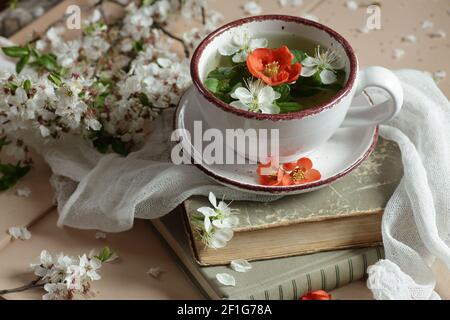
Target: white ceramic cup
{"x": 303, "y": 131}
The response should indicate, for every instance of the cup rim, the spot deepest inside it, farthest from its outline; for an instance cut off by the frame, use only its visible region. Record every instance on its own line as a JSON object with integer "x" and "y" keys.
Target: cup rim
{"x": 280, "y": 116}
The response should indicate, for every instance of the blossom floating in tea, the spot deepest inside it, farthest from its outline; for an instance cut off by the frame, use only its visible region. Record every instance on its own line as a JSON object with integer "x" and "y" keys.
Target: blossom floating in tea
{"x": 253, "y": 77}
{"x": 273, "y": 66}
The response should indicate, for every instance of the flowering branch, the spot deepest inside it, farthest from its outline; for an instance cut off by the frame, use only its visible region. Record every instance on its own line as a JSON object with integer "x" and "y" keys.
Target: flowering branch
{"x": 31, "y": 285}
{"x": 65, "y": 277}
{"x": 105, "y": 86}
{"x": 176, "y": 38}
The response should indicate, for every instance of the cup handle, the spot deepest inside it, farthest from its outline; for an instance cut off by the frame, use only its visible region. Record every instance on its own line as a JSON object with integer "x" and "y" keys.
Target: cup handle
{"x": 370, "y": 115}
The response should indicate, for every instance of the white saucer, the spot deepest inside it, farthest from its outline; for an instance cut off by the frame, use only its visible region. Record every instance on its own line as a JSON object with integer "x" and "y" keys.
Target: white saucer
{"x": 337, "y": 157}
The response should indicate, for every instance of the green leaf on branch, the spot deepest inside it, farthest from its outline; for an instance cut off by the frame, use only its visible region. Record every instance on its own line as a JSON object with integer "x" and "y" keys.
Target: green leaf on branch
{"x": 99, "y": 101}
{"x": 138, "y": 46}
{"x": 144, "y": 100}
{"x": 103, "y": 140}
{"x": 11, "y": 86}
{"x": 3, "y": 142}
{"x": 22, "y": 63}
{"x": 119, "y": 147}
{"x": 55, "y": 79}
{"x": 48, "y": 62}
{"x": 10, "y": 174}
{"x": 105, "y": 254}
{"x": 15, "y": 51}
{"x": 27, "y": 84}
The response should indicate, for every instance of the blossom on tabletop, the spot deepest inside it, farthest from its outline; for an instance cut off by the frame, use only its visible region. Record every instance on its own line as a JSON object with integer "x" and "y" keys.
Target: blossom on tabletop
{"x": 65, "y": 277}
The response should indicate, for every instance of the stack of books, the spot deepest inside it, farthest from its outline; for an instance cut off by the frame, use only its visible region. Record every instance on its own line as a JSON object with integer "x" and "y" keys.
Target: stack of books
{"x": 318, "y": 240}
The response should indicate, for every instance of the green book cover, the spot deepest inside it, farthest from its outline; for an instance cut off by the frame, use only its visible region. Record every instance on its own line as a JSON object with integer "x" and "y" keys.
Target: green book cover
{"x": 282, "y": 278}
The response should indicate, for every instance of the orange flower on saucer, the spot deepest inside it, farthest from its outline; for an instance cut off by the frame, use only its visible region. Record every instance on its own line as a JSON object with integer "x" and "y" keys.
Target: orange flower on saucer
{"x": 292, "y": 173}
{"x": 270, "y": 173}
{"x": 273, "y": 66}
{"x": 300, "y": 172}
{"x": 316, "y": 295}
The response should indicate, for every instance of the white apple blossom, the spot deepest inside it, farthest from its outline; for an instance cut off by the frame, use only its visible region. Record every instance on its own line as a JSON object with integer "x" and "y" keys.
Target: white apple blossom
{"x": 326, "y": 63}
{"x": 23, "y": 192}
{"x": 67, "y": 53}
{"x": 215, "y": 225}
{"x": 95, "y": 47}
{"x": 256, "y": 97}
{"x": 66, "y": 277}
{"x": 310, "y": 16}
{"x": 155, "y": 272}
{"x": 192, "y": 9}
{"x": 296, "y": 3}
{"x": 19, "y": 233}
{"x": 240, "y": 265}
{"x": 241, "y": 45}
{"x": 89, "y": 267}
{"x": 226, "y": 279}
{"x": 56, "y": 291}
{"x": 252, "y": 8}
{"x": 100, "y": 235}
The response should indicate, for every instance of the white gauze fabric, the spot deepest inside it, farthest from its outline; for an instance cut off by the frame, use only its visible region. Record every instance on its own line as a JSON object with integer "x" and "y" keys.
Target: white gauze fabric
{"x": 416, "y": 221}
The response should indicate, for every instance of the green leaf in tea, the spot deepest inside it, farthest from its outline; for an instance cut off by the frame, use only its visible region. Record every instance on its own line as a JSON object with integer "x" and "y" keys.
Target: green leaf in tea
{"x": 285, "y": 91}
{"x": 299, "y": 55}
{"x": 212, "y": 84}
{"x": 223, "y": 81}
{"x": 286, "y": 107}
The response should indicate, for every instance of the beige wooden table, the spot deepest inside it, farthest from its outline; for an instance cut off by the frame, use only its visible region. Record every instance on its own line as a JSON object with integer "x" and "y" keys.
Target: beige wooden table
{"x": 141, "y": 248}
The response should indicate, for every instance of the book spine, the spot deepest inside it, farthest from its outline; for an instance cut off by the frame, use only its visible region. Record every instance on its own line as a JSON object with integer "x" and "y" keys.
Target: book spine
{"x": 328, "y": 278}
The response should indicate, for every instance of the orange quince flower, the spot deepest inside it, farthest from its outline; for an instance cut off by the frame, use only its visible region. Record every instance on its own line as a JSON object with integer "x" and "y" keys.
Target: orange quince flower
{"x": 273, "y": 66}
{"x": 316, "y": 295}
{"x": 270, "y": 173}
{"x": 301, "y": 171}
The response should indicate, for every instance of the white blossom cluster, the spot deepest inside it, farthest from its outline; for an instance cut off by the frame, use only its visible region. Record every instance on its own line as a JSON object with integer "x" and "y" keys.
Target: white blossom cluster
{"x": 105, "y": 85}
{"x": 214, "y": 226}
{"x": 65, "y": 277}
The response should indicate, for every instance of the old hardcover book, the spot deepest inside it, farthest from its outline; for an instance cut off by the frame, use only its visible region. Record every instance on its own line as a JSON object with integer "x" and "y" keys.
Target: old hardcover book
{"x": 346, "y": 214}
{"x": 276, "y": 279}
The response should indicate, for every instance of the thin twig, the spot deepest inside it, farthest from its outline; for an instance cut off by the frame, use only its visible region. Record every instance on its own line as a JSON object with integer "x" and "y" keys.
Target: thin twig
{"x": 203, "y": 16}
{"x": 31, "y": 285}
{"x": 171, "y": 35}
